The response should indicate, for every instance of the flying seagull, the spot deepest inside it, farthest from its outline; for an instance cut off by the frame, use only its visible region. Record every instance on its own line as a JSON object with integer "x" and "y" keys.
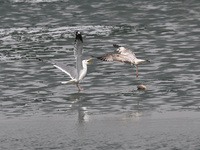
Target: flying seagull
{"x": 124, "y": 56}
{"x": 78, "y": 73}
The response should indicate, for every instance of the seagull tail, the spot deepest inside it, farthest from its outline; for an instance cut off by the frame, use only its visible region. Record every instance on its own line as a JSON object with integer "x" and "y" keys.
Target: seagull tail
{"x": 140, "y": 61}
{"x": 148, "y": 61}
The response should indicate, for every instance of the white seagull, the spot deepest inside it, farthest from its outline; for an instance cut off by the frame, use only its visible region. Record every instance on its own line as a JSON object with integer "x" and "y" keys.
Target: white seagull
{"x": 78, "y": 73}
{"x": 125, "y": 56}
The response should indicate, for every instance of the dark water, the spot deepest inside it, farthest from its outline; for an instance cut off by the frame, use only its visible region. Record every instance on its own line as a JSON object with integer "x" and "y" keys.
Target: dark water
{"x": 38, "y": 112}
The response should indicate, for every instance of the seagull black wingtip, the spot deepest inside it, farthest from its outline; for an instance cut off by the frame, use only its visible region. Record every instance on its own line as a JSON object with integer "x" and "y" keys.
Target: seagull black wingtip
{"x": 79, "y": 36}
{"x": 115, "y": 45}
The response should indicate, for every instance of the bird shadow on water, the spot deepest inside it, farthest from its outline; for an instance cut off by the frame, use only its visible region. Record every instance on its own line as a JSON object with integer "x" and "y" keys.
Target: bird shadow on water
{"x": 88, "y": 108}
{"x": 122, "y": 102}
{"x": 79, "y": 105}
{"x": 137, "y": 103}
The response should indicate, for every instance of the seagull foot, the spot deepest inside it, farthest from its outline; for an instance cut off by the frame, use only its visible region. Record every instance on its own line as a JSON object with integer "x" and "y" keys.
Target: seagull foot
{"x": 80, "y": 90}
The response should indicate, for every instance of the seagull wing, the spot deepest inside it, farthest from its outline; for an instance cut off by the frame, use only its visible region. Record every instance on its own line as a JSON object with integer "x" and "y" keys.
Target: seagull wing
{"x": 78, "y": 47}
{"x": 115, "y": 57}
{"x": 71, "y": 71}
{"x": 125, "y": 51}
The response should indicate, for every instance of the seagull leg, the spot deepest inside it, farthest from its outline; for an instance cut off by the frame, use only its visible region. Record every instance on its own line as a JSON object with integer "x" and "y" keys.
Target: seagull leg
{"x": 79, "y": 88}
{"x": 136, "y": 70}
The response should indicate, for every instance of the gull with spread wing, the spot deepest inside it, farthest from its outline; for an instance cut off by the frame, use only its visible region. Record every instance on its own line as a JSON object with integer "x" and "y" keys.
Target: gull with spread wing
{"x": 124, "y": 56}
{"x": 78, "y": 73}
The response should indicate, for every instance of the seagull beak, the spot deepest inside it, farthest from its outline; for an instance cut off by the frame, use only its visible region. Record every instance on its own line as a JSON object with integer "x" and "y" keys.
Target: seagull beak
{"x": 89, "y": 61}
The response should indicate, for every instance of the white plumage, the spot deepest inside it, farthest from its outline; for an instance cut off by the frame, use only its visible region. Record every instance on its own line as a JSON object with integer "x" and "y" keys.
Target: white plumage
{"x": 125, "y": 56}
{"x": 78, "y": 73}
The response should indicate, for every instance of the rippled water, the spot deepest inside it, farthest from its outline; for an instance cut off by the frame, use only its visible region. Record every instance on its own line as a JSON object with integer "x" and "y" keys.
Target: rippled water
{"x": 38, "y": 112}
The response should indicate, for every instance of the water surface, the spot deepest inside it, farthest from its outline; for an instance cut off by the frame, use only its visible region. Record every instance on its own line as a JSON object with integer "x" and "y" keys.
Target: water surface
{"x": 110, "y": 113}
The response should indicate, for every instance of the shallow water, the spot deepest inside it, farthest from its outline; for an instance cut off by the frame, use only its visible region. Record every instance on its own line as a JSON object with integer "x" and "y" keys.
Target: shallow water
{"x": 110, "y": 113}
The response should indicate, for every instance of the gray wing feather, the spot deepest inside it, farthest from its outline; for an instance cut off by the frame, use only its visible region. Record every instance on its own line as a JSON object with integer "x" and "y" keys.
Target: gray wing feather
{"x": 78, "y": 44}
{"x": 71, "y": 71}
{"x": 115, "y": 57}
{"x": 78, "y": 47}
{"x": 125, "y": 51}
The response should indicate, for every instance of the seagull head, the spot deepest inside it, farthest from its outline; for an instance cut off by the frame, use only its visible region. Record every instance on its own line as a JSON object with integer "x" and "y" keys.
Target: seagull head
{"x": 121, "y": 49}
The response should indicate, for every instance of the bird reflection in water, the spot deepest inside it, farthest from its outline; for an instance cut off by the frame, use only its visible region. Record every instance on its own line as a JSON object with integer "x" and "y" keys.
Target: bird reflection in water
{"x": 133, "y": 115}
{"x": 82, "y": 110}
